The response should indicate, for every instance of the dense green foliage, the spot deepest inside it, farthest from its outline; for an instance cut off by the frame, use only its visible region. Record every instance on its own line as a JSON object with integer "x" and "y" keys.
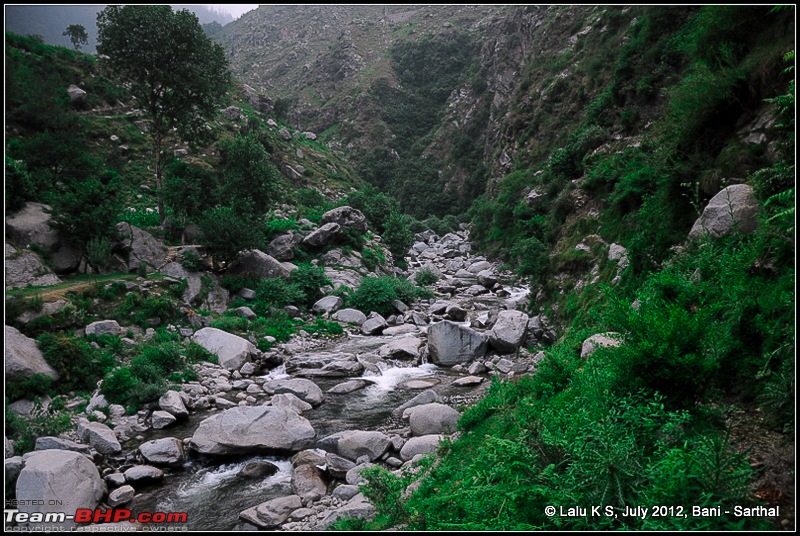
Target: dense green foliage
{"x": 377, "y": 294}
{"x": 78, "y": 363}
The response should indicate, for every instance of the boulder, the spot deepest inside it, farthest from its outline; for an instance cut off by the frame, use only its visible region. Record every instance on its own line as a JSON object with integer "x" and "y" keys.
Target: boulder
{"x": 258, "y": 469}
{"x": 323, "y": 364}
{"x": 172, "y": 403}
{"x": 328, "y": 304}
{"x": 121, "y": 495}
{"x": 305, "y": 390}
{"x": 432, "y": 419}
{"x": 509, "y": 331}
{"x": 290, "y": 401}
{"x": 468, "y": 381}
{"x": 67, "y": 258}
{"x": 140, "y": 247}
{"x": 735, "y": 208}
{"x": 401, "y": 348}
{"x": 31, "y": 225}
{"x": 161, "y": 419}
{"x": 419, "y": 445}
{"x": 599, "y": 340}
{"x": 338, "y": 467}
{"x": 357, "y": 508}
{"x": 164, "y": 451}
{"x": 312, "y": 456}
{"x": 352, "y": 444}
{"x": 322, "y": 236}
{"x": 282, "y": 247}
{"x": 252, "y": 429}
{"x": 23, "y": 358}
{"x": 76, "y": 94}
{"x": 350, "y": 316}
{"x": 271, "y": 514}
{"x": 25, "y": 268}
{"x": 255, "y": 263}
{"x": 58, "y": 443}
{"x": 100, "y": 437}
{"x": 346, "y": 217}
{"x": 308, "y": 483}
{"x": 58, "y": 481}
{"x": 450, "y": 343}
{"x": 103, "y": 327}
{"x": 373, "y": 325}
{"x": 425, "y": 397}
{"x": 349, "y": 386}
{"x": 231, "y": 350}
{"x": 143, "y": 475}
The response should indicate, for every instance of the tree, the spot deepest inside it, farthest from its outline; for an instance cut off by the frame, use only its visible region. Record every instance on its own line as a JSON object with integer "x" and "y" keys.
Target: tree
{"x": 77, "y": 34}
{"x": 178, "y": 76}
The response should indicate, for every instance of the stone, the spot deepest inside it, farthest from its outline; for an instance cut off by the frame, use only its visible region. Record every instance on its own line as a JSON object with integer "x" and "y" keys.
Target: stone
{"x": 425, "y": 397}
{"x": 450, "y": 343}
{"x": 599, "y": 340}
{"x": 346, "y": 217}
{"x": 421, "y": 383}
{"x": 246, "y": 312}
{"x": 100, "y": 437}
{"x": 232, "y": 112}
{"x": 324, "y": 364}
{"x": 247, "y": 293}
{"x": 231, "y": 350}
{"x": 419, "y": 445}
{"x": 256, "y": 263}
{"x": 58, "y": 443}
{"x": 282, "y": 247}
{"x": 534, "y": 198}
{"x": 103, "y": 327}
{"x": 305, "y": 390}
{"x": 349, "y": 386}
{"x": 120, "y": 496}
{"x": 31, "y": 225}
{"x": 143, "y": 475}
{"x": 308, "y": 483}
{"x": 479, "y": 266}
{"x": 399, "y": 306}
{"x": 13, "y": 467}
{"x": 58, "y": 481}
{"x": 164, "y": 451}
{"x": 328, "y": 304}
{"x": 140, "y": 247}
{"x": 401, "y": 348}
{"x": 312, "y": 456}
{"x": 115, "y": 479}
{"x": 487, "y": 278}
{"x": 271, "y": 514}
{"x": 290, "y": 401}
{"x": 468, "y": 381}
{"x": 504, "y": 365}
{"x": 357, "y": 508}
{"x": 509, "y": 331}
{"x": 350, "y": 316}
{"x": 76, "y": 94}
{"x": 172, "y": 403}
{"x": 323, "y": 236}
{"x": 402, "y": 329}
{"x": 162, "y": 419}
{"x": 345, "y": 492}
{"x": 338, "y": 467}
{"x": 249, "y": 430}
{"x": 439, "y": 307}
{"x": 735, "y": 208}
{"x": 352, "y": 444}
{"x": 24, "y": 268}
{"x": 456, "y": 313}
{"x": 23, "y": 358}
{"x": 67, "y": 258}
{"x": 373, "y": 325}
{"x": 616, "y": 252}
{"x": 432, "y": 419}
{"x": 259, "y": 469}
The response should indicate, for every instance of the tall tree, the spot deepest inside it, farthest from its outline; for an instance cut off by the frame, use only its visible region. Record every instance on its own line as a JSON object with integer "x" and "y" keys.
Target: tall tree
{"x": 77, "y": 34}
{"x": 177, "y": 74}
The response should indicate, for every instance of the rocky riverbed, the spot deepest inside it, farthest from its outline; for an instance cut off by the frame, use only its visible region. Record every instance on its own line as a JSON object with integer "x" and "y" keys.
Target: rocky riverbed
{"x": 276, "y": 439}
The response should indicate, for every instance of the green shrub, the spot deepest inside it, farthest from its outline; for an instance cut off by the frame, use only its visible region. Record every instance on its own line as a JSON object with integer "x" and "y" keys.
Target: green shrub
{"x": 35, "y": 386}
{"x": 78, "y": 364}
{"x": 191, "y": 260}
{"x": 25, "y": 430}
{"x": 139, "y": 309}
{"x": 309, "y": 279}
{"x": 189, "y": 190}
{"x": 377, "y": 294}
{"x": 323, "y": 327}
{"x": 425, "y": 277}
{"x": 225, "y": 232}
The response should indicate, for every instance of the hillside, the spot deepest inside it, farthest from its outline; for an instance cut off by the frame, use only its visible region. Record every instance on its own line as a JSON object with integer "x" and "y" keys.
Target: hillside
{"x": 567, "y": 233}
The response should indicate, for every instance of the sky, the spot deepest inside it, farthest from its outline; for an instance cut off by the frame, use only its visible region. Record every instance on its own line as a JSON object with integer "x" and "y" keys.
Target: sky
{"x": 237, "y": 10}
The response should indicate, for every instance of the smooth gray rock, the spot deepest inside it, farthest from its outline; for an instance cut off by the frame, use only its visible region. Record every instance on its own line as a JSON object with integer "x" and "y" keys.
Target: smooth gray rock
{"x": 248, "y": 430}
{"x": 337, "y": 465}
{"x": 161, "y": 419}
{"x": 419, "y": 445}
{"x": 456, "y": 313}
{"x": 312, "y": 456}
{"x": 350, "y": 316}
{"x": 246, "y": 312}
{"x": 468, "y": 381}
{"x": 121, "y": 495}
{"x": 24, "y": 268}
{"x": 345, "y": 492}
{"x": 231, "y": 350}
{"x": 308, "y": 483}
{"x": 104, "y": 327}
{"x": 425, "y": 397}
{"x": 172, "y": 403}
{"x": 23, "y": 358}
{"x": 58, "y": 481}
{"x": 322, "y": 236}
{"x": 100, "y": 437}
{"x": 259, "y": 469}
{"x": 141, "y": 246}
{"x": 349, "y": 386}
{"x": 357, "y": 508}
{"x": 401, "y": 348}
{"x": 57, "y": 443}
{"x": 734, "y": 208}
{"x": 352, "y": 444}
{"x": 402, "y": 329}
{"x": 599, "y": 340}
{"x": 450, "y": 343}
{"x": 143, "y": 474}
{"x": 509, "y": 331}
{"x": 31, "y": 225}
{"x": 328, "y": 304}
{"x": 282, "y": 247}
{"x": 324, "y": 364}
{"x": 305, "y": 390}
{"x": 290, "y": 401}
{"x": 346, "y": 217}
{"x": 272, "y": 513}
{"x": 258, "y": 264}
{"x": 164, "y": 451}
{"x": 373, "y": 325}
{"x": 432, "y": 419}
